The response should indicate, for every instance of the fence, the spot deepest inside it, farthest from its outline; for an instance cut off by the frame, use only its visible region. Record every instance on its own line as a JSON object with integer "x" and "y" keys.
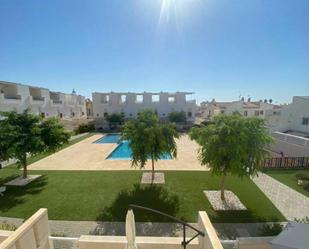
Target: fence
{"x": 286, "y": 162}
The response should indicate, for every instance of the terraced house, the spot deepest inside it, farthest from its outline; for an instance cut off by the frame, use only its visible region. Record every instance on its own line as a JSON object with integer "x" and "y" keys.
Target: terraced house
{"x": 41, "y": 101}
{"x": 129, "y": 104}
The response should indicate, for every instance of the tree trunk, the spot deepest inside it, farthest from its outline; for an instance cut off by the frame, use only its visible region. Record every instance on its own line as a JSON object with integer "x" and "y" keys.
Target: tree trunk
{"x": 153, "y": 172}
{"x": 0, "y": 165}
{"x": 222, "y": 188}
{"x": 24, "y": 164}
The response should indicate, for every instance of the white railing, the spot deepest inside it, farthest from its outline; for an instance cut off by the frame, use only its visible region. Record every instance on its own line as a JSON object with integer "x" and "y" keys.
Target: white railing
{"x": 291, "y": 138}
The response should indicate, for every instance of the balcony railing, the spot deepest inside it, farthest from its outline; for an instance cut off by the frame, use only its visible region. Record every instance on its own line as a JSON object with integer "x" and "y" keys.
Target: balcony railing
{"x": 15, "y": 97}
{"x": 185, "y": 242}
{"x": 38, "y": 98}
{"x": 55, "y": 101}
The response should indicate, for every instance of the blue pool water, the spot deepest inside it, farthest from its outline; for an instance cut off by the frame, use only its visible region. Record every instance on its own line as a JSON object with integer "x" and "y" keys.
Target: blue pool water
{"x": 109, "y": 139}
{"x": 123, "y": 150}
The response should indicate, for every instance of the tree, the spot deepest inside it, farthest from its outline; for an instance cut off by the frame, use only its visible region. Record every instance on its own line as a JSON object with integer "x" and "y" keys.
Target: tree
{"x": 114, "y": 119}
{"x": 6, "y": 133}
{"x": 149, "y": 139}
{"x": 31, "y": 136}
{"x": 177, "y": 117}
{"x": 232, "y": 145}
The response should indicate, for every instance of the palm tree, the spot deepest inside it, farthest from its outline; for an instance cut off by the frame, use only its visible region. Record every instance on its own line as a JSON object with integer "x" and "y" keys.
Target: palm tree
{"x": 149, "y": 139}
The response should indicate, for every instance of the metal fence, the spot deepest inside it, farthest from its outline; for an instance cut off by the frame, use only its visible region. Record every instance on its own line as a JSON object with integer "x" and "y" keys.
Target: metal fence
{"x": 286, "y": 162}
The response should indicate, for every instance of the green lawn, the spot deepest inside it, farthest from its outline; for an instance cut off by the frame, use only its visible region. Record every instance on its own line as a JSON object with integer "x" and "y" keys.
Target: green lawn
{"x": 288, "y": 177}
{"x": 105, "y": 195}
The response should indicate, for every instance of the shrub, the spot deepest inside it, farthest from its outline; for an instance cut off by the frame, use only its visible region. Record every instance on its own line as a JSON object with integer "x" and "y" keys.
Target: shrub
{"x": 177, "y": 117}
{"x": 7, "y": 226}
{"x": 302, "y": 176}
{"x": 270, "y": 229}
{"x": 82, "y": 128}
{"x": 306, "y": 186}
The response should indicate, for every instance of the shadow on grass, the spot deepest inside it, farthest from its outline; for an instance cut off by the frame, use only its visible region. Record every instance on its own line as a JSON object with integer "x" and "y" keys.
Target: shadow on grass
{"x": 8, "y": 178}
{"x": 16, "y": 195}
{"x": 155, "y": 197}
{"x": 240, "y": 216}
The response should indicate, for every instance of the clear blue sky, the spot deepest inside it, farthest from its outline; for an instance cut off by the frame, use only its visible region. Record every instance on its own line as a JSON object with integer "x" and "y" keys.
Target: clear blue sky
{"x": 216, "y": 48}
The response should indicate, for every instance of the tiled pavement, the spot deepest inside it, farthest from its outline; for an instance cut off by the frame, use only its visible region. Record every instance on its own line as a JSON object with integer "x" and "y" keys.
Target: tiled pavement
{"x": 291, "y": 203}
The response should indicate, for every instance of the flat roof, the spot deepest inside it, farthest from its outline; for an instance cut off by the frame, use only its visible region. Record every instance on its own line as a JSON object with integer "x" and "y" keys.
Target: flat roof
{"x": 140, "y": 93}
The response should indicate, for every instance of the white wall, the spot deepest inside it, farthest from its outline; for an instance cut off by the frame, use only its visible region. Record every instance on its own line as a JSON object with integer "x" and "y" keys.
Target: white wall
{"x": 292, "y": 115}
{"x": 20, "y": 97}
{"x": 131, "y": 107}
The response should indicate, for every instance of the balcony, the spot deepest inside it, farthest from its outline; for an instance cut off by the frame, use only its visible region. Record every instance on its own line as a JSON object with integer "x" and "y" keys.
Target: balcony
{"x": 56, "y": 101}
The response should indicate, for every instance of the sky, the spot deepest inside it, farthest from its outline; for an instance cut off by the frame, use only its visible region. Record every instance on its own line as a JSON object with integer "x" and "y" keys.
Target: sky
{"x": 218, "y": 49}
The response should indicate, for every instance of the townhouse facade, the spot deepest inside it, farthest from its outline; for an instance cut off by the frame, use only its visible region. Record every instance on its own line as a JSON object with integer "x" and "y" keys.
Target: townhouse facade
{"x": 129, "y": 104}
{"x": 247, "y": 108}
{"x": 41, "y": 101}
{"x": 295, "y": 117}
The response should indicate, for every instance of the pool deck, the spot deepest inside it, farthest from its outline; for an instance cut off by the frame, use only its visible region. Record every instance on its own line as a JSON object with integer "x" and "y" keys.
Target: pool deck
{"x": 87, "y": 155}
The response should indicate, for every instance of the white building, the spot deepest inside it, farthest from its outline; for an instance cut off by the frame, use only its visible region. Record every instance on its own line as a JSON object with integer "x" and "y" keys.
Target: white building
{"x": 246, "y": 108}
{"x": 40, "y": 101}
{"x": 129, "y": 104}
{"x": 294, "y": 117}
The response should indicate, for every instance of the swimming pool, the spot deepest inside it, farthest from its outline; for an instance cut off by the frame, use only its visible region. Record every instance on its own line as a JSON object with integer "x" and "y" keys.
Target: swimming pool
{"x": 123, "y": 150}
{"x": 108, "y": 139}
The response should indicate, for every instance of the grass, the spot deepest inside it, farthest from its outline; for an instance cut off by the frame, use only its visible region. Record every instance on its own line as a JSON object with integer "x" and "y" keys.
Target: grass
{"x": 105, "y": 195}
{"x": 288, "y": 177}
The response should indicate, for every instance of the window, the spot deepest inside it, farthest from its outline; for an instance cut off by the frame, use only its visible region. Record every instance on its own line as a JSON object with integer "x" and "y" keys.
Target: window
{"x": 123, "y": 99}
{"x": 163, "y": 114}
{"x": 245, "y": 113}
{"x": 256, "y": 113}
{"x": 155, "y": 98}
{"x": 97, "y": 114}
{"x": 171, "y": 99}
{"x": 222, "y": 112}
{"x": 139, "y": 98}
{"x": 261, "y": 112}
{"x": 60, "y": 115}
{"x": 83, "y": 113}
{"x": 189, "y": 114}
{"x": 73, "y": 114}
{"x": 105, "y": 99}
{"x": 105, "y": 114}
{"x": 131, "y": 115}
{"x": 305, "y": 121}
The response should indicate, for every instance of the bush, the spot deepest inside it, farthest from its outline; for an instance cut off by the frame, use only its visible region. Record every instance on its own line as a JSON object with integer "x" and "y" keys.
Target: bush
{"x": 82, "y": 128}
{"x": 7, "y": 226}
{"x": 302, "y": 176}
{"x": 306, "y": 186}
{"x": 270, "y": 229}
{"x": 177, "y": 117}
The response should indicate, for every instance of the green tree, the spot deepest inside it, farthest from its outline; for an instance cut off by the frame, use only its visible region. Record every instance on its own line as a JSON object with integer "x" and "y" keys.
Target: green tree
{"x": 149, "y": 139}
{"x": 6, "y": 133}
{"x": 31, "y": 136}
{"x": 177, "y": 117}
{"x": 233, "y": 145}
{"x": 114, "y": 119}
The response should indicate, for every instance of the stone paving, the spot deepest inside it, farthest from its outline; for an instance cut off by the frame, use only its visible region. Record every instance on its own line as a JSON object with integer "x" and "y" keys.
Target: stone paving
{"x": 291, "y": 203}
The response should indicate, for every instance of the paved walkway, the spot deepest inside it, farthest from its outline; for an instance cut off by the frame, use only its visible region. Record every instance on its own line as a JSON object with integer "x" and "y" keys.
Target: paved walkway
{"x": 11, "y": 161}
{"x": 291, "y": 203}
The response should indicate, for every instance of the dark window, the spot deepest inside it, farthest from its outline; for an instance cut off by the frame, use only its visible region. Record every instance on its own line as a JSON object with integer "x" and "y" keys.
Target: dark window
{"x": 222, "y": 112}
{"x": 261, "y": 112}
{"x": 43, "y": 115}
{"x": 97, "y": 114}
{"x": 305, "y": 121}
{"x": 131, "y": 114}
{"x": 83, "y": 113}
{"x": 73, "y": 114}
{"x": 256, "y": 113}
{"x": 189, "y": 114}
{"x": 105, "y": 114}
{"x": 60, "y": 115}
{"x": 245, "y": 113}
